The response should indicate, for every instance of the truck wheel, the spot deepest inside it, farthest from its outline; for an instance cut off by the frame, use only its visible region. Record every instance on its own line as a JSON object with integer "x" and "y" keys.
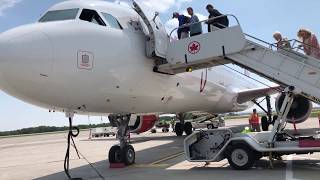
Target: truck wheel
{"x": 240, "y": 157}
{"x": 187, "y": 128}
{"x": 210, "y": 126}
{"x": 179, "y": 129}
{"x": 264, "y": 123}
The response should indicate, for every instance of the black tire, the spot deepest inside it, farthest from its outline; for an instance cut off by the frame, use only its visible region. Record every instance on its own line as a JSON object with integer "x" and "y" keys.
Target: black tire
{"x": 108, "y": 135}
{"x": 153, "y": 131}
{"x": 240, "y": 156}
{"x": 210, "y": 126}
{"x": 178, "y": 129}
{"x": 264, "y": 123}
{"x": 128, "y": 155}
{"x": 187, "y": 128}
{"x": 274, "y": 118}
{"x": 115, "y": 155}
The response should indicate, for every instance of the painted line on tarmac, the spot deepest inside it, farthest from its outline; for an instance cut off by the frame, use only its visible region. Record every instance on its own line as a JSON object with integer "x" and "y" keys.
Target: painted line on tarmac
{"x": 159, "y": 163}
{"x": 150, "y": 165}
{"x": 168, "y": 158}
{"x": 289, "y": 169}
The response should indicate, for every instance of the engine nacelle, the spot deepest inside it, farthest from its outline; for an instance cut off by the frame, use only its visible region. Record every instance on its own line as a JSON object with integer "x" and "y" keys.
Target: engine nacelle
{"x": 300, "y": 109}
{"x": 143, "y": 123}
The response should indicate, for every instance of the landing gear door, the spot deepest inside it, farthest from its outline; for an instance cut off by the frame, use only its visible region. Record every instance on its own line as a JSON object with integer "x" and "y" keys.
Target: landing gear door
{"x": 158, "y": 39}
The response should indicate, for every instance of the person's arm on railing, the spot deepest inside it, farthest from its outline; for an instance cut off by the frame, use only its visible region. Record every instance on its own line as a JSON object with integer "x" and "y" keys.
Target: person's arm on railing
{"x": 211, "y": 19}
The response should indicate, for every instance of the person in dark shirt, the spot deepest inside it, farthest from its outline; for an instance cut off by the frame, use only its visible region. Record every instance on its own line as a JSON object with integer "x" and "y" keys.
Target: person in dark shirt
{"x": 183, "y": 20}
{"x": 220, "y": 23}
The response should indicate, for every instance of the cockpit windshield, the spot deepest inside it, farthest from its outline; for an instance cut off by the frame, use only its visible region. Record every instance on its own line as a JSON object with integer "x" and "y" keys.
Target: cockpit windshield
{"x": 59, "y": 15}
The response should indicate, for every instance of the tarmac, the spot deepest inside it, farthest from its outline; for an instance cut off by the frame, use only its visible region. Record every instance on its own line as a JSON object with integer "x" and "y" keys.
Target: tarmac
{"x": 158, "y": 156}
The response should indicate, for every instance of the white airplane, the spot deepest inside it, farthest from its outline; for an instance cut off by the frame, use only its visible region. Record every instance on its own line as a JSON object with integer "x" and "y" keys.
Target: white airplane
{"x": 89, "y": 57}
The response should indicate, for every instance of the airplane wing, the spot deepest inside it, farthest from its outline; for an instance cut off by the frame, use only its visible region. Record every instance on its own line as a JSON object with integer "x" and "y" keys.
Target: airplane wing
{"x": 249, "y": 95}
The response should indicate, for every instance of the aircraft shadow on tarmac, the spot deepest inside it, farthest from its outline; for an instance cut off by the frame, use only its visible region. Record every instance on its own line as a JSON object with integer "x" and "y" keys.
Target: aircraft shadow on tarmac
{"x": 145, "y": 156}
{"x": 175, "y": 146}
{"x": 225, "y": 172}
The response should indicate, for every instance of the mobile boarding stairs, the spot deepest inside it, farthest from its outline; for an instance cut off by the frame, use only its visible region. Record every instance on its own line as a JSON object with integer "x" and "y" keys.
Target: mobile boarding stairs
{"x": 300, "y": 73}
{"x": 287, "y": 67}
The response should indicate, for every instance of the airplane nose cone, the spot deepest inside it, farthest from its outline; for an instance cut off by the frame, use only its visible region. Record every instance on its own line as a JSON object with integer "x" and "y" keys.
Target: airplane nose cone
{"x": 25, "y": 57}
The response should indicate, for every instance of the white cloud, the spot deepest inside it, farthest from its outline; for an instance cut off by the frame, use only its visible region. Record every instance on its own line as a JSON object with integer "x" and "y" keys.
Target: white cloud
{"x": 157, "y": 5}
{"x": 180, "y": 2}
{"x": 6, "y": 4}
{"x": 121, "y": 2}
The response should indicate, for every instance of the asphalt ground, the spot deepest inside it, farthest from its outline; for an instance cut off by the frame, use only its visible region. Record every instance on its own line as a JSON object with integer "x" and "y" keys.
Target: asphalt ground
{"x": 158, "y": 156}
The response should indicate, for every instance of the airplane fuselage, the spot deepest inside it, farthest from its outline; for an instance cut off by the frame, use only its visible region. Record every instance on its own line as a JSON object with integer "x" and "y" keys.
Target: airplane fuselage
{"x": 88, "y": 68}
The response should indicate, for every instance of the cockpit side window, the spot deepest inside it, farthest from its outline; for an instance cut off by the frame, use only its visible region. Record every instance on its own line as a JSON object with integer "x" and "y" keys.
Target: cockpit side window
{"x": 59, "y": 15}
{"x": 112, "y": 21}
{"x": 91, "y": 16}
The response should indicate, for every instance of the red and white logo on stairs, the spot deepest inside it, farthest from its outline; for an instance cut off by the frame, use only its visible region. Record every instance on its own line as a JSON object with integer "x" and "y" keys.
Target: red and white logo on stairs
{"x": 194, "y": 47}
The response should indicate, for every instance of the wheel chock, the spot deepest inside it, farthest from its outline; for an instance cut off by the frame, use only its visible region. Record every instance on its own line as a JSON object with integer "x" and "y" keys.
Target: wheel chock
{"x": 117, "y": 165}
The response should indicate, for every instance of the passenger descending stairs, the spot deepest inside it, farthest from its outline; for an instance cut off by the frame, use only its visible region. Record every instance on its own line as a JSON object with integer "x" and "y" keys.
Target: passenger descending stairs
{"x": 231, "y": 45}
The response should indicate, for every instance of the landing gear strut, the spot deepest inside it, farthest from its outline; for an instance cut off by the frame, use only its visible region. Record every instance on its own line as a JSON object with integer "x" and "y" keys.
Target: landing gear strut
{"x": 123, "y": 153}
{"x": 182, "y": 125}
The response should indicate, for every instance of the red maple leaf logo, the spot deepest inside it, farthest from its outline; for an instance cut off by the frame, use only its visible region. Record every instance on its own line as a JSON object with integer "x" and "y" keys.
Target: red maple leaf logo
{"x": 194, "y": 47}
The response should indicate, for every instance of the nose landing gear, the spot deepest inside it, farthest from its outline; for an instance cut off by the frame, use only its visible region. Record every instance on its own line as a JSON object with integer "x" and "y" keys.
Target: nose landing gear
{"x": 123, "y": 153}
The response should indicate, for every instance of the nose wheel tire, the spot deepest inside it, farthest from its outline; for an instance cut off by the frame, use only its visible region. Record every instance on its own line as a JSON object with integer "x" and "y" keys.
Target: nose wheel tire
{"x": 127, "y": 155}
{"x": 241, "y": 157}
{"x": 178, "y": 129}
{"x": 188, "y": 128}
{"x": 115, "y": 154}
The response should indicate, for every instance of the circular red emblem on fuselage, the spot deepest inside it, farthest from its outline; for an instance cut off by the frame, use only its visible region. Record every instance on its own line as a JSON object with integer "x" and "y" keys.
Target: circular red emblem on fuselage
{"x": 194, "y": 47}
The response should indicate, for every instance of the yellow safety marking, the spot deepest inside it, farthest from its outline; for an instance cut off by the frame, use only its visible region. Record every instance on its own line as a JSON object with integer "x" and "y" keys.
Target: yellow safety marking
{"x": 157, "y": 163}
{"x": 149, "y": 165}
{"x": 168, "y": 158}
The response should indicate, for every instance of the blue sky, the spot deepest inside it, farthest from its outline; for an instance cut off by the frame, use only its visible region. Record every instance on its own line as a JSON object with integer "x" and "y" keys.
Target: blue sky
{"x": 257, "y": 17}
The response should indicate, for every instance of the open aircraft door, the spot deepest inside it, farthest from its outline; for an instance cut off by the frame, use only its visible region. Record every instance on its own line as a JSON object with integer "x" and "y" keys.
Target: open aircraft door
{"x": 158, "y": 39}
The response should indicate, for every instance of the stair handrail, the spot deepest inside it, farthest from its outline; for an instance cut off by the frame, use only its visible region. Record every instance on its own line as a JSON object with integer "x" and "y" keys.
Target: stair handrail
{"x": 206, "y": 20}
{"x": 274, "y": 45}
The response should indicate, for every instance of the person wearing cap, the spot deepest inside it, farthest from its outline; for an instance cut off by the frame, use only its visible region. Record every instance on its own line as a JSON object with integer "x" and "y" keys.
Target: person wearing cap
{"x": 282, "y": 43}
{"x": 183, "y": 32}
{"x": 218, "y": 23}
{"x": 195, "y": 26}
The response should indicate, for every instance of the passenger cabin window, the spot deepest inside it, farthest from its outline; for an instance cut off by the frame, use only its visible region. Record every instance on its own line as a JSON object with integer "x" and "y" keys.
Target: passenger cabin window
{"x": 91, "y": 16}
{"x": 112, "y": 21}
{"x": 59, "y": 15}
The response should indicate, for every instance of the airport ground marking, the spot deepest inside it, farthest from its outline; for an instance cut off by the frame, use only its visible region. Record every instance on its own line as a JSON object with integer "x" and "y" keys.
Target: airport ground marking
{"x": 150, "y": 165}
{"x": 167, "y": 158}
{"x": 159, "y": 163}
{"x": 289, "y": 168}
